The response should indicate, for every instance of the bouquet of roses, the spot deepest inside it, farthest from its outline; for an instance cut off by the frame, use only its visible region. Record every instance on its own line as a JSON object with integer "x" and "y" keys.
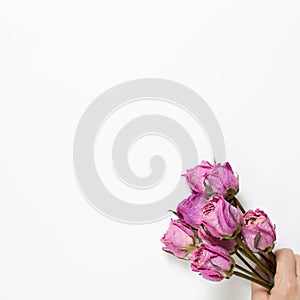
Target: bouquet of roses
{"x": 216, "y": 234}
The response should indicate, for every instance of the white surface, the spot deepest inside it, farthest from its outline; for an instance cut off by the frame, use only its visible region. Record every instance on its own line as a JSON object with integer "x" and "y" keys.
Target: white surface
{"x": 142, "y": 150}
{"x": 58, "y": 56}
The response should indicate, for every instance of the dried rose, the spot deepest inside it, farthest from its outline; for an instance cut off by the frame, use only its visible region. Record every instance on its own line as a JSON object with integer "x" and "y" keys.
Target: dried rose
{"x": 179, "y": 240}
{"x": 258, "y": 232}
{"x": 212, "y": 262}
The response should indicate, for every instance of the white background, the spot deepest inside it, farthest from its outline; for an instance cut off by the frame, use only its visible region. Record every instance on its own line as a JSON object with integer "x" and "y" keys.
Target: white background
{"x": 58, "y": 56}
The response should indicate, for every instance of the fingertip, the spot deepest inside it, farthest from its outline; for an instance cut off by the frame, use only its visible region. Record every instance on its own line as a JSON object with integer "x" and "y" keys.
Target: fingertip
{"x": 284, "y": 251}
{"x": 286, "y": 265}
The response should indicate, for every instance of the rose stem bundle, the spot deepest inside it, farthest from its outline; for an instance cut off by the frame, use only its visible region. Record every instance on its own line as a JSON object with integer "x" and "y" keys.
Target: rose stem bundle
{"x": 250, "y": 255}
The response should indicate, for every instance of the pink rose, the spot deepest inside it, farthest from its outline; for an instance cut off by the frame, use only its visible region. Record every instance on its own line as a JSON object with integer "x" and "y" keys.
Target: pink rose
{"x": 212, "y": 262}
{"x": 222, "y": 181}
{"x": 229, "y": 245}
{"x": 189, "y": 209}
{"x": 179, "y": 240}
{"x": 220, "y": 218}
{"x": 258, "y": 232}
{"x": 213, "y": 179}
{"x": 195, "y": 176}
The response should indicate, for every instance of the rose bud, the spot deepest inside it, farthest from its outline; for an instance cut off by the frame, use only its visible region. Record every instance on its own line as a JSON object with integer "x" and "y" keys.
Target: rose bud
{"x": 179, "y": 240}
{"x": 195, "y": 176}
{"x": 229, "y": 245}
{"x": 222, "y": 181}
{"x": 189, "y": 209}
{"x": 258, "y": 232}
{"x": 220, "y": 218}
{"x": 212, "y": 262}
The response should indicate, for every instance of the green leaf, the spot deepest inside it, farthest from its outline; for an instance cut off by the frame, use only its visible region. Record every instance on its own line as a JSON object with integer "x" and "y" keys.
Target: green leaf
{"x": 230, "y": 193}
{"x": 174, "y": 212}
{"x": 208, "y": 189}
{"x": 256, "y": 239}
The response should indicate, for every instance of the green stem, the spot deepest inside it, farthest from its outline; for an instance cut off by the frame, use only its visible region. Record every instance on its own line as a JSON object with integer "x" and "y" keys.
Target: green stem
{"x": 254, "y": 258}
{"x": 239, "y": 204}
{"x": 272, "y": 257}
{"x": 265, "y": 259}
{"x": 251, "y": 274}
{"x": 268, "y": 261}
{"x": 244, "y": 253}
{"x": 247, "y": 264}
{"x": 250, "y": 258}
{"x": 262, "y": 283}
{"x": 246, "y": 271}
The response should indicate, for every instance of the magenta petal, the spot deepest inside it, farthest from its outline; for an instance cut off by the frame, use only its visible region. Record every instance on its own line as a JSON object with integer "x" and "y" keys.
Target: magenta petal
{"x": 189, "y": 209}
{"x": 212, "y": 262}
{"x": 220, "y": 218}
{"x": 178, "y": 236}
{"x": 254, "y": 223}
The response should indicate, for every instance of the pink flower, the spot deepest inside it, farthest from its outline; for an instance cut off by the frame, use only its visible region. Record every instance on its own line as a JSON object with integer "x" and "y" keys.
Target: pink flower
{"x": 195, "y": 176}
{"x": 189, "y": 209}
{"x": 258, "y": 232}
{"x": 213, "y": 179}
{"x": 212, "y": 262}
{"x": 229, "y": 245}
{"x": 178, "y": 237}
{"x": 222, "y": 181}
{"x": 220, "y": 218}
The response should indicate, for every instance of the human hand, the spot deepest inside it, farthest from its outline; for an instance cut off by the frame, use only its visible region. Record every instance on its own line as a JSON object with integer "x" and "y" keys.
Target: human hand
{"x": 286, "y": 280}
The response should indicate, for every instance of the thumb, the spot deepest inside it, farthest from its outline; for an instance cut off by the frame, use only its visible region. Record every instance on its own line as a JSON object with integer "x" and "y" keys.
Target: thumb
{"x": 259, "y": 292}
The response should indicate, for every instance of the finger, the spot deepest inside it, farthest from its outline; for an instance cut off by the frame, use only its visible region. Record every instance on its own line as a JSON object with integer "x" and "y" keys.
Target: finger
{"x": 259, "y": 292}
{"x": 286, "y": 265}
{"x": 298, "y": 265}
